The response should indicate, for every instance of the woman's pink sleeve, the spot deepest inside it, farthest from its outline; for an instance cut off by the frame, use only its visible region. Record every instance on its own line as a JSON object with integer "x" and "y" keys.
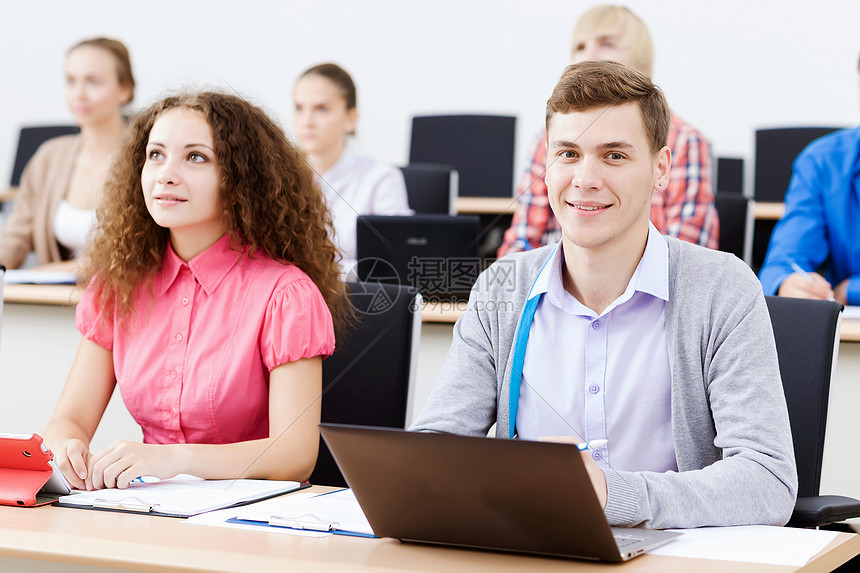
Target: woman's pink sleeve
{"x": 91, "y": 322}
{"x": 297, "y": 325}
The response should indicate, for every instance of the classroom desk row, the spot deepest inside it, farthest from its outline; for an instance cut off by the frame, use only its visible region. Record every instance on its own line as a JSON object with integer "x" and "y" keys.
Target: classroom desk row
{"x": 507, "y": 205}
{"x": 61, "y": 539}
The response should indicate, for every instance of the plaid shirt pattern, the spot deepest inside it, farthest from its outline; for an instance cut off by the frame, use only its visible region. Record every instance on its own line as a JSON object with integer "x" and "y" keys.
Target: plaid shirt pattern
{"x": 685, "y": 209}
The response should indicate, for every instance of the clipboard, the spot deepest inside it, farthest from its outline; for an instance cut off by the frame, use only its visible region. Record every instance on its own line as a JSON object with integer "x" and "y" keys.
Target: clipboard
{"x": 181, "y": 496}
{"x": 29, "y": 477}
{"x": 332, "y": 512}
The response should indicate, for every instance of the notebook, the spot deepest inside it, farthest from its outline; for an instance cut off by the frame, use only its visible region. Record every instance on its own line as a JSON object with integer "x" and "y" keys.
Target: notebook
{"x": 180, "y": 496}
{"x": 436, "y": 255}
{"x": 508, "y": 495}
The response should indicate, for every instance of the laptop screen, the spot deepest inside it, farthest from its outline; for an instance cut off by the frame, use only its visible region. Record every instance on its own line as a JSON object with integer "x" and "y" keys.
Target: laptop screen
{"x": 436, "y": 255}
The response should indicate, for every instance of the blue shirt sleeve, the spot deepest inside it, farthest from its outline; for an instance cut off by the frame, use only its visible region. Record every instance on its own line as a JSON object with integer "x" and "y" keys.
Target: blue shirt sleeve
{"x": 801, "y": 235}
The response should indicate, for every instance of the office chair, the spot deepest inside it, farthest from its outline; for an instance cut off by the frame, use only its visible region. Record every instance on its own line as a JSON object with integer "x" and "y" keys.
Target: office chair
{"x": 774, "y": 153}
{"x": 431, "y": 188}
{"x": 29, "y": 141}
{"x": 479, "y": 147}
{"x": 735, "y": 218}
{"x": 369, "y": 378}
{"x": 729, "y": 175}
{"x": 807, "y": 340}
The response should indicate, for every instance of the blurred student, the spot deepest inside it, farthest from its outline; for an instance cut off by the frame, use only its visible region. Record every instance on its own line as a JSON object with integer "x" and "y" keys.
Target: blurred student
{"x": 209, "y": 312}
{"x": 684, "y": 208}
{"x": 821, "y": 225}
{"x": 62, "y": 184}
{"x": 324, "y": 117}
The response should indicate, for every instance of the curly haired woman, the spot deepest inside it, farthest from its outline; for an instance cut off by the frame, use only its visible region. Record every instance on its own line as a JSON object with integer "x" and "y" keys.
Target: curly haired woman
{"x": 212, "y": 295}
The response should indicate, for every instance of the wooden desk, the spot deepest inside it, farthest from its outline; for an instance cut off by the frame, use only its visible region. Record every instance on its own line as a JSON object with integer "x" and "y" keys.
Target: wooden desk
{"x": 768, "y": 211}
{"x": 486, "y": 205}
{"x": 60, "y": 295}
{"x": 850, "y": 331}
{"x": 62, "y": 539}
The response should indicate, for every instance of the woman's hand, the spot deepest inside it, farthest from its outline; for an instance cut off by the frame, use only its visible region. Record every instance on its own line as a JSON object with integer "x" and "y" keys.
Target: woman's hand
{"x": 123, "y": 461}
{"x": 73, "y": 458}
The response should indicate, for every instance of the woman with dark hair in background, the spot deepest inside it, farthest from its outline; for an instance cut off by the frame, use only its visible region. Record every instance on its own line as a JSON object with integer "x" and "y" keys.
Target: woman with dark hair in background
{"x": 324, "y": 117}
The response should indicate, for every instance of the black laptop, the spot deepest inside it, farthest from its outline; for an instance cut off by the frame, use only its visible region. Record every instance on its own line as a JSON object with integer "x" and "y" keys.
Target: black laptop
{"x": 436, "y": 255}
{"x": 508, "y": 495}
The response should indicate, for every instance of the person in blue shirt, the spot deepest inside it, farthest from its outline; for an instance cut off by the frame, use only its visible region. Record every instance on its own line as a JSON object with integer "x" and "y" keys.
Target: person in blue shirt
{"x": 821, "y": 225}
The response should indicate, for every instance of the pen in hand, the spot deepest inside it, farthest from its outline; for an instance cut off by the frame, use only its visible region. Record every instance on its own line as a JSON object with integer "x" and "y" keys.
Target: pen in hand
{"x": 799, "y": 270}
{"x": 582, "y": 446}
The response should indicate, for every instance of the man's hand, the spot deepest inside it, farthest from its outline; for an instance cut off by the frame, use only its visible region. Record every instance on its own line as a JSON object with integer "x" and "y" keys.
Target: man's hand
{"x": 598, "y": 480}
{"x": 840, "y": 293}
{"x": 813, "y": 286}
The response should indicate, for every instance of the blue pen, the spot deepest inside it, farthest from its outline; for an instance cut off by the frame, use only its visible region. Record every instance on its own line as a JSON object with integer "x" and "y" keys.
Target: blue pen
{"x": 799, "y": 270}
{"x": 582, "y": 446}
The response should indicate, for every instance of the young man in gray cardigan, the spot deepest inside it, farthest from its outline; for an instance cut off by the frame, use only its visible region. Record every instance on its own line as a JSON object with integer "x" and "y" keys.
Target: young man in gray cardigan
{"x": 657, "y": 352}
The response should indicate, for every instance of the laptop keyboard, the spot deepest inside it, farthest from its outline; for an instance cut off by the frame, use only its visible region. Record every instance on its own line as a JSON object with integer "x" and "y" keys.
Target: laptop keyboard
{"x": 626, "y": 540}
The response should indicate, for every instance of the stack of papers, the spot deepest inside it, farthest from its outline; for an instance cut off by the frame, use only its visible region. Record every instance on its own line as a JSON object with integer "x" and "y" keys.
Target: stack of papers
{"x": 182, "y": 496}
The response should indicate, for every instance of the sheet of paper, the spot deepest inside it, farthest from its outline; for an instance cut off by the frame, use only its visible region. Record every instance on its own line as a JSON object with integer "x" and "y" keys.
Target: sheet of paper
{"x": 183, "y": 495}
{"x": 852, "y": 312}
{"x": 750, "y": 543}
{"x": 340, "y": 509}
{"x": 219, "y": 519}
{"x": 25, "y": 276}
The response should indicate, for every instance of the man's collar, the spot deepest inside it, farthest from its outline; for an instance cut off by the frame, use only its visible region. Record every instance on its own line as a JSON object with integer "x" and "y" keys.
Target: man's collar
{"x": 651, "y": 275}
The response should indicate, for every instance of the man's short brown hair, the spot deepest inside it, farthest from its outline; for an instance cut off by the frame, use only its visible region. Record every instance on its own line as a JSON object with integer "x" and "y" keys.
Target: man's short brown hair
{"x": 589, "y": 85}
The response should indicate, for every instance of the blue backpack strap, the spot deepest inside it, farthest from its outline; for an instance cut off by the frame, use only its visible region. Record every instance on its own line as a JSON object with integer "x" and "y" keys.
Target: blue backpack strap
{"x": 520, "y": 343}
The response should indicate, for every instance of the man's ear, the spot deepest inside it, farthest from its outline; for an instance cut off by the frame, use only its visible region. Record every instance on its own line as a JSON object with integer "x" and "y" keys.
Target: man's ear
{"x": 662, "y": 167}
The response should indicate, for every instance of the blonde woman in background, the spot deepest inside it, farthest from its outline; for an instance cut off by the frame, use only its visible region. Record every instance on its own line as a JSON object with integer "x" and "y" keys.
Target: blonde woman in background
{"x": 61, "y": 186}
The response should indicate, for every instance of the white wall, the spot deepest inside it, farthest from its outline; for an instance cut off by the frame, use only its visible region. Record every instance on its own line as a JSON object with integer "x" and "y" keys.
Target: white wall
{"x": 727, "y": 66}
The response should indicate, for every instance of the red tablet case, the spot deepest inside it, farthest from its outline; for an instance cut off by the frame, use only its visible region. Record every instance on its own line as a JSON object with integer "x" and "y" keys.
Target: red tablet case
{"x": 24, "y": 469}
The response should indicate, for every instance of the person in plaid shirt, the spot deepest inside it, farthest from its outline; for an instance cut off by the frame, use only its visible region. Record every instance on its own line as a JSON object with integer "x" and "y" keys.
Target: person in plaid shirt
{"x": 684, "y": 209}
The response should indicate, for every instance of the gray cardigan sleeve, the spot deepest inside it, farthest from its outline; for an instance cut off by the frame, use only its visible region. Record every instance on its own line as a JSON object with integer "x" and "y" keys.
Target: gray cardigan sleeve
{"x": 730, "y": 422}
{"x": 463, "y": 398}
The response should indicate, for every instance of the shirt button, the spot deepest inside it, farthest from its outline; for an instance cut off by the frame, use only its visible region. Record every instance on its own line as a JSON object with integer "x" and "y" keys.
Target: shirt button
{"x": 594, "y": 388}
{"x": 595, "y": 454}
{"x": 178, "y": 337}
{"x": 174, "y": 374}
{"x": 595, "y": 325}
{"x": 184, "y": 300}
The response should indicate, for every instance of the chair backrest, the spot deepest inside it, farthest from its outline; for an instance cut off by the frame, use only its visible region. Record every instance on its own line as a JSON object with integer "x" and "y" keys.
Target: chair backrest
{"x": 369, "y": 378}
{"x": 733, "y": 210}
{"x": 807, "y": 340}
{"x": 29, "y": 141}
{"x": 431, "y": 188}
{"x": 775, "y": 151}
{"x": 729, "y": 175}
{"x": 479, "y": 147}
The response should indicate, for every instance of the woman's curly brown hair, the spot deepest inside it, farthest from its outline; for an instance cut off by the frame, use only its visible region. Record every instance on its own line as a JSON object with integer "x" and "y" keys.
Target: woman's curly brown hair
{"x": 270, "y": 198}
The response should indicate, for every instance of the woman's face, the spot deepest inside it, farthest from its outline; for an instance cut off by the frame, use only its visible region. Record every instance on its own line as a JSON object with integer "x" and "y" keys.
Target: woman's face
{"x": 181, "y": 178}
{"x": 320, "y": 118}
{"x": 93, "y": 92}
